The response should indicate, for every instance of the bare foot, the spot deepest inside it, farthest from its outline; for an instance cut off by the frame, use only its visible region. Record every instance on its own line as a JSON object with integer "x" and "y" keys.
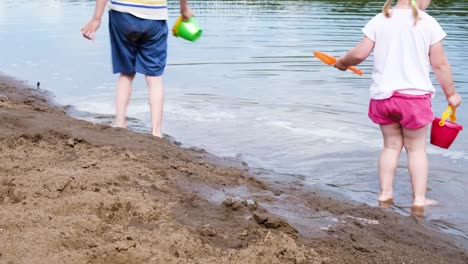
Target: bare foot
{"x": 425, "y": 202}
{"x": 431, "y": 202}
{"x": 386, "y": 203}
{"x": 385, "y": 196}
{"x": 385, "y": 200}
{"x": 417, "y": 211}
{"x": 157, "y": 135}
{"x": 121, "y": 124}
{"x": 418, "y": 208}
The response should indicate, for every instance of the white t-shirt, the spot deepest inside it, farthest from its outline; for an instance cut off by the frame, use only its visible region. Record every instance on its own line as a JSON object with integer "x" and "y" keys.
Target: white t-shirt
{"x": 401, "y": 52}
{"x": 146, "y": 9}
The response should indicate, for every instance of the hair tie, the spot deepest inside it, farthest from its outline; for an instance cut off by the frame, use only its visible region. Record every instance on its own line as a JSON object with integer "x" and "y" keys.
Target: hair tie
{"x": 413, "y": 3}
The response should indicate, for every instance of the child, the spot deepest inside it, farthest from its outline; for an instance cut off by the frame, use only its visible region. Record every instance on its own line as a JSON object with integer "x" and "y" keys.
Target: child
{"x": 405, "y": 41}
{"x": 138, "y": 34}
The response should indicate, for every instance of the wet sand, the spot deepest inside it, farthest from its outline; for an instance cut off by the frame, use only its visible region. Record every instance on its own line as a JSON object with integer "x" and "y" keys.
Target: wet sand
{"x": 76, "y": 192}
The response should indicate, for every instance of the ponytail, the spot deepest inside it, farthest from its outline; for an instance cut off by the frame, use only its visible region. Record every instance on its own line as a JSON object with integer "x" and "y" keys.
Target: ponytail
{"x": 388, "y": 5}
{"x": 415, "y": 11}
{"x": 386, "y": 8}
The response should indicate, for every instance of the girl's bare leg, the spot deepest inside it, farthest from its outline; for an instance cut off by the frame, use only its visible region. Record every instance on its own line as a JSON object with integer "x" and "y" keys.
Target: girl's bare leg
{"x": 393, "y": 144}
{"x": 156, "y": 100}
{"x": 122, "y": 97}
{"x": 415, "y": 145}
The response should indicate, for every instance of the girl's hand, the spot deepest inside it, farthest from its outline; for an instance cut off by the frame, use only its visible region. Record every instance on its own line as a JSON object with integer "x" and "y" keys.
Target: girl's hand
{"x": 90, "y": 29}
{"x": 454, "y": 100}
{"x": 340, "y": 65}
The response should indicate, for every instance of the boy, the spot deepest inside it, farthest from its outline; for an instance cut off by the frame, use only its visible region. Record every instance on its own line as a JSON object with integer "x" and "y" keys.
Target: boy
{"x": 138, "y": 33}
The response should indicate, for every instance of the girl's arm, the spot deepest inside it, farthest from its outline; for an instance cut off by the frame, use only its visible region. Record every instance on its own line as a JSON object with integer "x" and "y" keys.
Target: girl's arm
{"x": 443, "y": 73}
{"x": 90, "y": 29}
{"x": 357, "y": 55}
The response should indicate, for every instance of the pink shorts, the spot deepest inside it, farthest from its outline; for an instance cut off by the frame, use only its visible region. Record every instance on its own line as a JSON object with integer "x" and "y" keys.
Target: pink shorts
{"x": 410, "y": 111}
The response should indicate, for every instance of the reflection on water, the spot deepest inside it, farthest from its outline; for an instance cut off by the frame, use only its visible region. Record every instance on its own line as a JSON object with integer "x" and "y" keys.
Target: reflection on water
{"x": 250, "y": 88}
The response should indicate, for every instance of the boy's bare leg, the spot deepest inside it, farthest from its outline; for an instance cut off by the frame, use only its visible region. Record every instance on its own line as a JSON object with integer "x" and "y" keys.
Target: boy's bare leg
{"x": 122, "y": 97}
{"x": 393, "y": 144}
{"x": 415, "y": 145}
{"x": 156, "y": 100}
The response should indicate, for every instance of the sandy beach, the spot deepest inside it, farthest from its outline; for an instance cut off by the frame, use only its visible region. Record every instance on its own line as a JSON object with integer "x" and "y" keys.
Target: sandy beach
{"x": 76, "y": 192}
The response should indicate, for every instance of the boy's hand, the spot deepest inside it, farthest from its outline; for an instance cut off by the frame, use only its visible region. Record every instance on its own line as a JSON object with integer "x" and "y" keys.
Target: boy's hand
{"x": 454, "y": 100}
{"x": 90, "y": 29}
{"x": 340, "y": 65}
{"x": 186, "y": 12}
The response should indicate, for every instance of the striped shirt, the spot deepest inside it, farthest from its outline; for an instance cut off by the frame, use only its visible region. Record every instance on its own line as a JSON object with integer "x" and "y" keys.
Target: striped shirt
{"x": 146, "y": 9}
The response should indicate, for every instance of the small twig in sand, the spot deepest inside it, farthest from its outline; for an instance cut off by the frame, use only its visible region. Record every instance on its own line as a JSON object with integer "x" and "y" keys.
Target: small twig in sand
{"x": 266, "y": 237}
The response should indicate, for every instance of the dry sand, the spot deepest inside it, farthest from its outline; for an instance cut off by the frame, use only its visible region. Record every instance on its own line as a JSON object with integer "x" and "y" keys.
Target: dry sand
{"x": 76, "y": 192}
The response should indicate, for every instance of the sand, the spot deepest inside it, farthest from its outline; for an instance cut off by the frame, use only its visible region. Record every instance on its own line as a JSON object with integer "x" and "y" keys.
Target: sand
{"x": 76, "y": 192}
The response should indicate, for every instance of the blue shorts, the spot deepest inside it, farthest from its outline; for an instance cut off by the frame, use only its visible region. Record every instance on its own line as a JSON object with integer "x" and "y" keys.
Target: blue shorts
{"x": 138, "y": 45}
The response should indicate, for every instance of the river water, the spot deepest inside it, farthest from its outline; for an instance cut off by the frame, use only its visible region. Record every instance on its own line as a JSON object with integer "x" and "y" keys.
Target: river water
{"x": 251, "y": 89}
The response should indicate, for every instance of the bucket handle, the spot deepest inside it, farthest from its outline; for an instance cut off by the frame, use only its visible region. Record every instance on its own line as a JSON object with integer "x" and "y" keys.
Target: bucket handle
{"x": 446, "y": 114}
{"x": 175, "y": 28}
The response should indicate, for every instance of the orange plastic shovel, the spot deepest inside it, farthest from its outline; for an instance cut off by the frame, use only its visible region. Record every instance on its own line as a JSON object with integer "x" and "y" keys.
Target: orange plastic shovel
{"x": 330, "y": 60}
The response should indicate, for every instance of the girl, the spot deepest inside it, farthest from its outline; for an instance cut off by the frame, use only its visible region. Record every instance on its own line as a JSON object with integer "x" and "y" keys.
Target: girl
{"x": 406, "y": 41}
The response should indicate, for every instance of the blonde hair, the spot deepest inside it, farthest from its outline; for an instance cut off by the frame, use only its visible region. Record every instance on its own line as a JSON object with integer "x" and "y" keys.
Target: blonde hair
{"x": 388, "y": 5}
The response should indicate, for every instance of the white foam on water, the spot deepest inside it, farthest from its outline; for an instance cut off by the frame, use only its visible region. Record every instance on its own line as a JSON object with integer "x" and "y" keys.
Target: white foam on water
{"x": 30, "y": 63}
{"x": 348, "y": 135}
{"x": 343, "y": 134}
{"x": 96, "y": 105}
{"x": 102, "y": 87}
{"x": 452, "y": 154}
{"x": 209, "y": 113}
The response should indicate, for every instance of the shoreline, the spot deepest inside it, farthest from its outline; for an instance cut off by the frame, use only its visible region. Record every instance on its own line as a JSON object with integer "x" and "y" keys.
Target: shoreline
{"x": 88, "y": 193}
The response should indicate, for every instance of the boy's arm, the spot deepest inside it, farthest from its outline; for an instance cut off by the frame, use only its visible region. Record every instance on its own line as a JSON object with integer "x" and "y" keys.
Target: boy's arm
{"x": 443, "y": 73}
{"x": 357, "y": 55}
{"x": 185, "y": 10}
{"x": 92, "y": 26}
